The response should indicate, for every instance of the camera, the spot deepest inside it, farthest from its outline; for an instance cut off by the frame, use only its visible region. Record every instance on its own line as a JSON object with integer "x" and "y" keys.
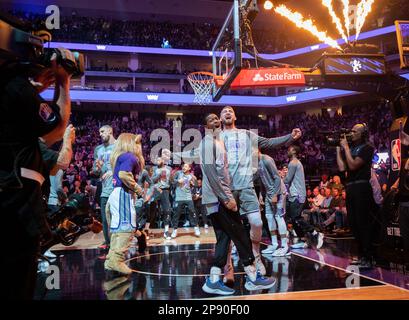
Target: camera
{"x": 70, "y": 221}
{"x": 333, "y": 138}
{"x": 25, "y": 47}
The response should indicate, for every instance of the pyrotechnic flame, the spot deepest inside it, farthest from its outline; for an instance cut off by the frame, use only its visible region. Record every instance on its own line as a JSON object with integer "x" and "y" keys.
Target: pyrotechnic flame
{"x": 335, "y": 19}
{"x": 363, "y": 9}
{"x": 308, "y": 25}
{"x": 346, "y": 15}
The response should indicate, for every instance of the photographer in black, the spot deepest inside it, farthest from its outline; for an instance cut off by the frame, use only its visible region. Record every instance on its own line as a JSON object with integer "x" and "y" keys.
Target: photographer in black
{"x": 25, "y": 118}
{"x": 356, "y": 161}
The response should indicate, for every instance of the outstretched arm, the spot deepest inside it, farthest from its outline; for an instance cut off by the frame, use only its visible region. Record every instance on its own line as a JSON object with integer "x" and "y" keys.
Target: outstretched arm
{"x": 272, "y": 143}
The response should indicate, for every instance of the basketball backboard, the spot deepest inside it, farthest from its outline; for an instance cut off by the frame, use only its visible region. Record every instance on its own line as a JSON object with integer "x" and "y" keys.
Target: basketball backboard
{"x": 227, "y": 51}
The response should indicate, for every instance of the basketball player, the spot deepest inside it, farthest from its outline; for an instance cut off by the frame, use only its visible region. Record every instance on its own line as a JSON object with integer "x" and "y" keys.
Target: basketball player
{"x": 183, "y": 180}
{"x": 295, "y": 183}
{"x": 161, "y": 178}
{"x": 239, "y": 145}
{"x": 102, "y": 169}
{"x": 275, "y": 202}
{"x": 221, "y": 206}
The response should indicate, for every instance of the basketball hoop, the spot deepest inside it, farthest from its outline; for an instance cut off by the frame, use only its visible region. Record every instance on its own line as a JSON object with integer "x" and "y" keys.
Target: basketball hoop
{"x": 202, "y": 83}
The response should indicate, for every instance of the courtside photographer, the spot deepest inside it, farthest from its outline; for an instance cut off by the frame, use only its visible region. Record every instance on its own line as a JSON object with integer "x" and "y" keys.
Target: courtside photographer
{"x": 26, "y": 69}
{"x": 355, "y": 159}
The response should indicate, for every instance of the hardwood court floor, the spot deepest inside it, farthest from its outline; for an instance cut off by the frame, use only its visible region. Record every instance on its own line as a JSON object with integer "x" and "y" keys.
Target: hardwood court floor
{"x": 176, "y": 269}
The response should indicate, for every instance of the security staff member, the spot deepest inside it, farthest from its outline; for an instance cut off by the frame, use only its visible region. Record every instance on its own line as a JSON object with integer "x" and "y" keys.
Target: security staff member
{"x": 356, "y": 161}
{"x": 25, "y": 118}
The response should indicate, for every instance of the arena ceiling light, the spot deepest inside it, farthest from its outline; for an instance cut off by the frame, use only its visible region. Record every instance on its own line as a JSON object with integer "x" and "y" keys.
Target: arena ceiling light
{"x": 268, "y": 5}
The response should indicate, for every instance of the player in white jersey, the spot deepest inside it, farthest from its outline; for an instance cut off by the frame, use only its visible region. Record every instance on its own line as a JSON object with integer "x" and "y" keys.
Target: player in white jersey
{"x": 240, "y": 145}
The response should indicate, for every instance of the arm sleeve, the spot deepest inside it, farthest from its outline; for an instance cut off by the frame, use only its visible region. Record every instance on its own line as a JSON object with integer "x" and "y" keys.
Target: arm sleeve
{"x": 272, "y": 170}
{"x": 127, "y": 179}
{"x": 176, "y": 177}
{"x": 128, "y": 163}
{"x": 191, "y": 155}
{"x": 95, "y": 172}
{"x": 220, "y": 185}
{"x": 290, "y": 174}
{"x": 42, "y": 117}
{"x": 156, "y": 176}
{"x": 142, "y": 177}
{"x": 272, "y": 143}
{"x": 49, "y": 156}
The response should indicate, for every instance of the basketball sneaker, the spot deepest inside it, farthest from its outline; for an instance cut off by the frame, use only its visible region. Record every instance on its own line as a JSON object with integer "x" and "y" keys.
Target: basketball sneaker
{"x": 174, "y": 233}
{"x": 197, "y": 232}
{"x": 299, "y": 245}
{"x": 281, "y": 252}
{"x": 316, "y": 239}
{"x": 217, "y": 288}
{"x": 260, "y": 283}
{"x": 270, "y": 249}
{"x": 167, "y": 236}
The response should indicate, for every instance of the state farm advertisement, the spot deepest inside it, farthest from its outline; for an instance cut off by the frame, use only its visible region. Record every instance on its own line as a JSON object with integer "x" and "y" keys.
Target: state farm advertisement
{"x": 268, "y": 77}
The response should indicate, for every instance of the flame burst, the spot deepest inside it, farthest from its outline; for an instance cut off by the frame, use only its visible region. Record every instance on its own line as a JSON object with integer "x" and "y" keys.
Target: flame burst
{"x": 308, "y": 25}
{"x": 345, "y": 11}
{"x": 363, "y": 9}
{"x": 335, "y": 19}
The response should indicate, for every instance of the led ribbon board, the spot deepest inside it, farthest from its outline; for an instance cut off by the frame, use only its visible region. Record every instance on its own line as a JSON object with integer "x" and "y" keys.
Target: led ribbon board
{"x": 268, "y": 77}
{"x": 353, "y": 64}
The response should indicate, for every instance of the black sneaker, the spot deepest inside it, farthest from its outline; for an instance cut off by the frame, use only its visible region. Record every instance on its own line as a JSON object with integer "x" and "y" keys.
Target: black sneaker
{"x": 315, "y": 240}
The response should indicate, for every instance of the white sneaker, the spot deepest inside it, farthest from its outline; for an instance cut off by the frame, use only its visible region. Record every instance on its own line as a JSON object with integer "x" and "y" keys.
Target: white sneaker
{"x": 186, "y": 224}
{"x": 299, "y": 245}
{"x": 49, "y": 254}
{"x": 174, "y": 233}
{"x": 260, "y": 266}
{"x": 320, "y": 240}
{"x": 281, "y": 252}
{"x": 270, "y": 249}
{"x": 167, "y": 236}
{"x": 206, "y": 226}
{"x": 197, "y": 232}
{"x": 251, "y": 272}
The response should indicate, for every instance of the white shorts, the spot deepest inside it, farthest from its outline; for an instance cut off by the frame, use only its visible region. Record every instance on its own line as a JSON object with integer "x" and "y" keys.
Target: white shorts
{"x": 123, "y": 213}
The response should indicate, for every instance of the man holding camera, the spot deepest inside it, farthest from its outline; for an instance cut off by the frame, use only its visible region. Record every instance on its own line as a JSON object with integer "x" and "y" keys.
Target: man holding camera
{"x": 25, "y": 118}
{"x": 356, "y": 161}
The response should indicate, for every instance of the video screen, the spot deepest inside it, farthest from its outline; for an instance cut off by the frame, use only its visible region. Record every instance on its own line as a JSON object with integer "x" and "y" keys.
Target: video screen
{"x": 379, "y": 159}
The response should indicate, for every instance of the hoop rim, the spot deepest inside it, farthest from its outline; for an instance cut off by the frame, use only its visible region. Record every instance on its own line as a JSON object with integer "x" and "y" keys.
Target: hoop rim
{"x": 206, "y": 73}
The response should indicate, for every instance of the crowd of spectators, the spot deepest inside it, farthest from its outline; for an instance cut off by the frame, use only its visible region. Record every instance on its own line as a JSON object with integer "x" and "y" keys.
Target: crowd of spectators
{"x": 317, "y": 157}
{"x": 107, "y": 30}
{"x": 317, "y": 154}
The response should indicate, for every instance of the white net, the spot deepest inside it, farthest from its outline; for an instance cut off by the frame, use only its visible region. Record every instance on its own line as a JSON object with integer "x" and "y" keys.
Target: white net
{"x": 202, "y": 83}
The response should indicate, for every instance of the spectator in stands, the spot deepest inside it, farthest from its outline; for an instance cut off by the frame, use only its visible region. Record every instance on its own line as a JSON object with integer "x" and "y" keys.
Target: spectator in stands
{"x": 336, "y": 183}
{"x": 341, "y": 218}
